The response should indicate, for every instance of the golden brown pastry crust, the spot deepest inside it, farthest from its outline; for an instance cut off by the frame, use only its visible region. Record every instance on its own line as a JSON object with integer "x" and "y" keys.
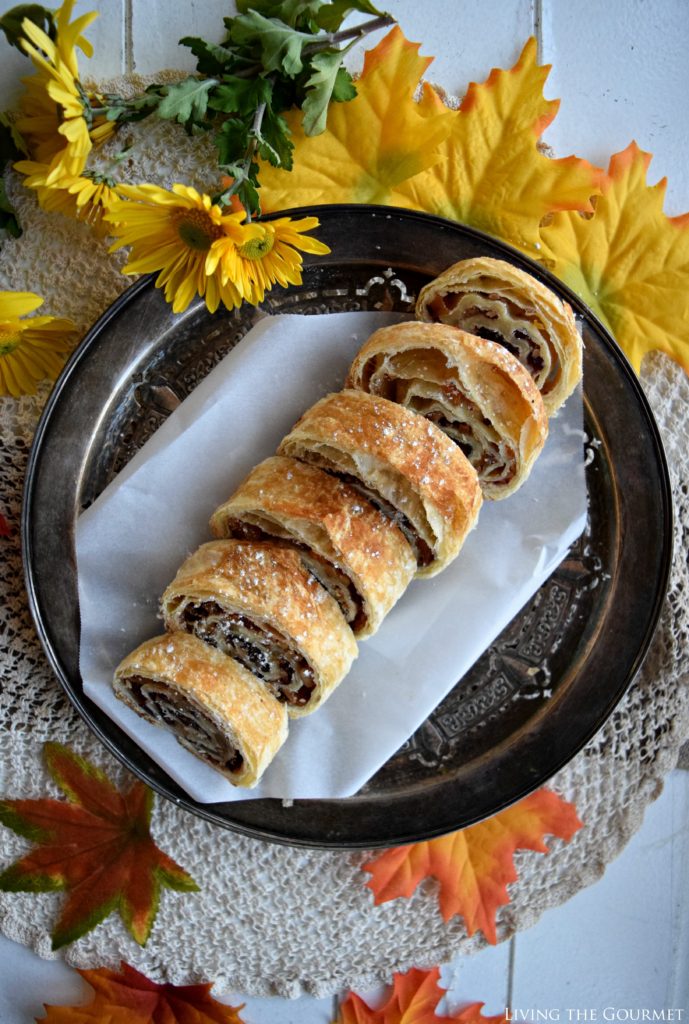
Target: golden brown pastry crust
{"x": 476, "y": 391}
{"x": 278, "y": 608}
{"x": 402, "y": 457}
{"x": 494, "y": 299}
{"x": 234, "y": 711}
{"x": 355, "y": 546}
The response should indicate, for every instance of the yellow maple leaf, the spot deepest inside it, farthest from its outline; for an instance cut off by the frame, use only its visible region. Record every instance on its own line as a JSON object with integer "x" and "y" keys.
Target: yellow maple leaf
{"x": 492, "y": 174}
{"x": 475, "y": 865}
{"x": 629, "y": 262}
{"x": 371, "y": 144}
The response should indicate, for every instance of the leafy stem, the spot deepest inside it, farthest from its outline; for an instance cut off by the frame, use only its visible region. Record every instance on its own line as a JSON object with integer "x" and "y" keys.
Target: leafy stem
{"x": 356, "y": 32}
{"x": 244, "y": 172}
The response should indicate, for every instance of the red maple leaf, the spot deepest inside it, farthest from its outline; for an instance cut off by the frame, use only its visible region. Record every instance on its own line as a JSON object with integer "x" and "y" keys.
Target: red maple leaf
{"x": 475, "y": 865}
{"x": 5, "y": 528}
{"x": 97, "y": 846}
{"x": 128, "y": 997}
{"x": 413, "y": 1000}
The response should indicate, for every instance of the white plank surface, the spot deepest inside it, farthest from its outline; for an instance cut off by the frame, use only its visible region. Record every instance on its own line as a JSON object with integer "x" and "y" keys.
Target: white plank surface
{"x": 622, "y": 72}
{"x": 454, "y": 32}
{"x": 621, "y": 943}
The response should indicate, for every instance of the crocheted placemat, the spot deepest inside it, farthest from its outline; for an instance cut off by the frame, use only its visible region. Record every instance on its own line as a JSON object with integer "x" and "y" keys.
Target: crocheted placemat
{"x": 271, "y": 919}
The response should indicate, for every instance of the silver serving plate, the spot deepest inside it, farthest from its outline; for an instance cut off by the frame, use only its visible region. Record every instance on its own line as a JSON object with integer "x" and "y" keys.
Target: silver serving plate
{"x": 551, "y": 678}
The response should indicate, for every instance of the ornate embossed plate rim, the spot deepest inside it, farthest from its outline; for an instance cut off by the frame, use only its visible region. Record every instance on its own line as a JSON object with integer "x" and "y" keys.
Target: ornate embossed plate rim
{"x": 380, "y": 237}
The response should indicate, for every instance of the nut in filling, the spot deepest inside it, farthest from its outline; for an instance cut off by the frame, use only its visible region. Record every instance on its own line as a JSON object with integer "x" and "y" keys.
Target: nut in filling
{"x": 192, "y": 727}
{"x": 283, "y": 669}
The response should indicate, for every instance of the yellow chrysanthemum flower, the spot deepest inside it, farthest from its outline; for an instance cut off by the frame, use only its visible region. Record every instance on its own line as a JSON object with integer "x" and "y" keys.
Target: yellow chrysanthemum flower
{"x": 53, "y": 122}
{"x": 30, "y": 350}
{"x": 173, "y": 233}
{"x": 269, "y": 257}
{"x": 84, "y": 197}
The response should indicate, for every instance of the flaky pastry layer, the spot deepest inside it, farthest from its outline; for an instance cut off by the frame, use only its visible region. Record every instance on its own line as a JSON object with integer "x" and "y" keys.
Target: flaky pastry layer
{"x": 257, "y": 601}
{"x": 476, "y": 391}
{"x": 214, "y": 706}
{"x": 497, "y": 301}
{"x": 362, "y": 560}
{"x": 402, "y": 462}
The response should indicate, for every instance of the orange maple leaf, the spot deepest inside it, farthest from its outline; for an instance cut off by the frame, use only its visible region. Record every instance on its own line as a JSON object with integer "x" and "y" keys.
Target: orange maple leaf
{"x": 475, "y": 865}
{"x": 413, "y": 1000}
{"x": 371, "y": 144}
{"x": 97, "y": 845}
{"x": 629, "y": 262}
{"x": 129, "y": 997}
{"x": 491, "y": 174}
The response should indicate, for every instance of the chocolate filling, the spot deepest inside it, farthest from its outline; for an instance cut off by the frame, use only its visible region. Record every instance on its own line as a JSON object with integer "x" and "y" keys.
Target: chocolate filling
{"x": 288, "y": 676}
{"x": 198, "y": 733}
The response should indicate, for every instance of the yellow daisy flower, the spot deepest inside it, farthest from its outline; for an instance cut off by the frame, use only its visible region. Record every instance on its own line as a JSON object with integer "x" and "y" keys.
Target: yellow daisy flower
{"x": 84, "y": 197}
{"x": 269, "y": 257}
{"x": 173, "y": 233}
{"x": 32, "y": 349}
{"x": 53, "y": 121}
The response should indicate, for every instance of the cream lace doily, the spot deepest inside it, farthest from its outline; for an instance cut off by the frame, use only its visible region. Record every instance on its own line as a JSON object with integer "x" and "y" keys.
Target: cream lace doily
{"x": 270, "y": 919}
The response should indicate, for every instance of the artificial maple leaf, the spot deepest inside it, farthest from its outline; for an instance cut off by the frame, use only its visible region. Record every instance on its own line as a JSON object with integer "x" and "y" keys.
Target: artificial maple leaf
{"x": 413, "y": 1000}
{"x": 97, "y": 845}
{"x": 365, "y": 151}
{"x": 629, "y": 262}
{"x": 491, "y": 174}
{"x": 131, "y": 998}
{"x": 474, "y": 865}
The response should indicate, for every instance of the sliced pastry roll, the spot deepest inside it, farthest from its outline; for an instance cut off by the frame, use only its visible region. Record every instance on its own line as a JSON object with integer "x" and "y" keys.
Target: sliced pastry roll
{"x": 348, "y": 545}
{"x": 476, "y": 391}
{"x": 499, "y": 302}
{"x": 214, "y": 706}
{"x": 401, "y": 462}
{"x": 257, "y": 602}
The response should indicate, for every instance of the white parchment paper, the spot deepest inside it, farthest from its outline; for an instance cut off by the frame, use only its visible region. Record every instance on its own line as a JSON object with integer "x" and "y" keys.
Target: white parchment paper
{"x": 132, "y": 540}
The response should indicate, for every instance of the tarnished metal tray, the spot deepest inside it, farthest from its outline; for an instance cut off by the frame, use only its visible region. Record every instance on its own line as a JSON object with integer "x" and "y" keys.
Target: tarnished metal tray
{"x": 551, "y": 678}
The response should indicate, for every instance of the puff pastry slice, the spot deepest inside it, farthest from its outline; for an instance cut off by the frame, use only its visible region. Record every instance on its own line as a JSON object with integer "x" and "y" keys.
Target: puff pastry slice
{"x": 476, "y": 391}
{"x": 499, "y": 302}
{"x": 401, "y": 462}
{"x": 214, "y": 706}
{"x": 347, "y": 544}
{"x": 257, "y": 602}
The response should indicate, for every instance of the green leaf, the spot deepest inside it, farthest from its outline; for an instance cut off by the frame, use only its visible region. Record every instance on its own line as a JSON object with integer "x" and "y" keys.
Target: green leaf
{"x": 11, "y": 148}
{"x": 320, "y": 87}
{"x": 345, "y": 89}
{"x": 12, "y": 145}
{"x": 299, "y": 14}
{"x": 11, "y": 22}
{"x": 241, "y": 95}
{"x": 279, "y": 45}
{"x": 186, "y": 101}
{"x": 248, "y": 195}
{"x": 274, "y": 144}
{"x": 231, "y": 141}
{"x": 331, "y": 16}
{"x": 211, "y": 59}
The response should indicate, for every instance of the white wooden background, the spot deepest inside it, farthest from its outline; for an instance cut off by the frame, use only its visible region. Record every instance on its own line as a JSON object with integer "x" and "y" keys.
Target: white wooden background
{"x": 621, "y": 69}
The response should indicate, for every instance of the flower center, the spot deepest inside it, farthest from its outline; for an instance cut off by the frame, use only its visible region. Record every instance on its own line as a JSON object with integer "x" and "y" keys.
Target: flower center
{"x": 196, "y": 229}
{"x": 9, "y": 340}
{"x": 257, "y": 248}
